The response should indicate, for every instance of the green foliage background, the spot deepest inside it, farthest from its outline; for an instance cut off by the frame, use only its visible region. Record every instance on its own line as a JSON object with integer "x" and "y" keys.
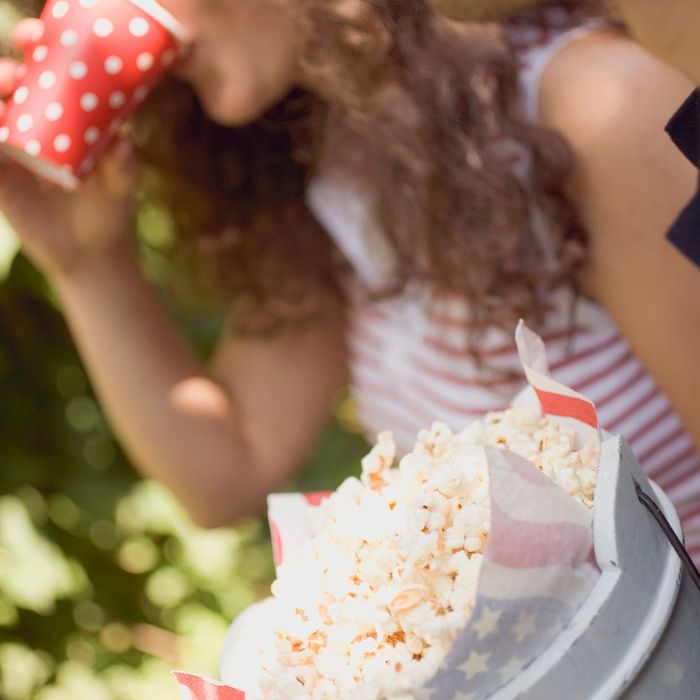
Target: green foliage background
{"x": 105, "y": 585}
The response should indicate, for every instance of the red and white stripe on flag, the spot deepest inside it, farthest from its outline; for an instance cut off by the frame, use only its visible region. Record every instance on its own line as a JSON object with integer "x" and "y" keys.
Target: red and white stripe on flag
{"x": 534, "y": 524}
{"x": 197, "y": 688}
{"x": 290, "y": 524}
{"x": 556, "y": 399}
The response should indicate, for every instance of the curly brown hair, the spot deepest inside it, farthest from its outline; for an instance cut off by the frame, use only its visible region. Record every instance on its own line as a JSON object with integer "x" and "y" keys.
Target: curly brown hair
{"x": 415, "y": 109}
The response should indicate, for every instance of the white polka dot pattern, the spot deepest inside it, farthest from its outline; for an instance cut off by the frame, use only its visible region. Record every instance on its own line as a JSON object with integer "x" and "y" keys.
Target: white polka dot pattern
{"x": 145, "y": 61}
{"x": 103, "y": 27}
{"x": 47, "y": 80}
{"x": 40, "y": 53}
{"x": 89, "y": 101}
{"x": 69, "y": 38}
{"x": 32, "y": 147}
{"x": 54, "y": 111}
{"x": 62, "y": 143}
{"x": 138, "y": 26}
{"x": 117, "y": 99}
{"x": 25, "y": 123}
{"x": 78, "y": 70}
{"x": 113, "y": 65}
{"x": 60, "y": 9}
{"x": 92, "y": 135}
{"x": 21, "y": 95}
{"x": 95, "y": 64}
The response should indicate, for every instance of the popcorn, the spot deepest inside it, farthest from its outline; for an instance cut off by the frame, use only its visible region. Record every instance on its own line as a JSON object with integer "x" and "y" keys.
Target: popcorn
{"x": 548, "y": 445}
{"x": 376, "y": 597}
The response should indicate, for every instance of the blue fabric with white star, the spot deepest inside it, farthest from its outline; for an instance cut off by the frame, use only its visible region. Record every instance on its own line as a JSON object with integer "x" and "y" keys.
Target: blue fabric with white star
{"x": 476, "y": 667}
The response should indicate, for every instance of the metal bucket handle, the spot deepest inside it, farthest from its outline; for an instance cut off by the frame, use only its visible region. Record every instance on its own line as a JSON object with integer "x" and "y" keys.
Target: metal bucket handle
{"x": 669, "y": 532}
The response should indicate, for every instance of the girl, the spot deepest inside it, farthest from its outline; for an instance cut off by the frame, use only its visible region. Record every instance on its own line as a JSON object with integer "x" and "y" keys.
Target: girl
{"x": 387, "y": 194}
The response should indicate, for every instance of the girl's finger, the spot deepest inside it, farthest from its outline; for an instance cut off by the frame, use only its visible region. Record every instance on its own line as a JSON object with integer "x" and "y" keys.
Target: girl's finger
{"x": 8, "y": 76}
{"x": 26, "y": 33}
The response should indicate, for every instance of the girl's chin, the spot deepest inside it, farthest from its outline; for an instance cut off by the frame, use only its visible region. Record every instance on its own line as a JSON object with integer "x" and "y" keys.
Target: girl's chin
{"x": 231, "y": 109}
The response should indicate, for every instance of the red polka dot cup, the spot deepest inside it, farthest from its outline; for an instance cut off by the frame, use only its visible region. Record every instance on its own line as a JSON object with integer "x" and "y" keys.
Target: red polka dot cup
{"x": 94, "y": 65}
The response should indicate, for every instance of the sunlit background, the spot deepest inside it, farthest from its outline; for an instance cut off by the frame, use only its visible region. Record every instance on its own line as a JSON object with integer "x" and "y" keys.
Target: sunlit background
{"x": 105, "y": 586}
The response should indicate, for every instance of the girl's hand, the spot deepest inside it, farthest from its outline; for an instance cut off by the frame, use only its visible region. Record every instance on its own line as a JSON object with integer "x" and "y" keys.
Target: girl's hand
{"x": 61, "y": 231}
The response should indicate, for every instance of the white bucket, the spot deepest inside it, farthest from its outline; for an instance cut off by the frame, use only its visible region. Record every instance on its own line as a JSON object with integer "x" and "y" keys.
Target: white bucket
{"x": 638, "y": 634}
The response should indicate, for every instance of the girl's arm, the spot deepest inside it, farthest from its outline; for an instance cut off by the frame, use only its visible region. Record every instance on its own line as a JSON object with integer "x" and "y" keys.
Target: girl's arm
{"x": 219, "y": 439}
{"x": 611, "y": 99}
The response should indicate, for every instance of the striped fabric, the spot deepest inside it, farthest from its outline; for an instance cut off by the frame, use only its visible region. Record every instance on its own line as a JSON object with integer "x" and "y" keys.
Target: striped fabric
{"x": 410, "y": 367}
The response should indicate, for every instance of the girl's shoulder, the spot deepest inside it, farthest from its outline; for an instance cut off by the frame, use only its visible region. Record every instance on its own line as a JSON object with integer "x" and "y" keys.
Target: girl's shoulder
{"x": 537, "y": 36}
{"x": 611, "y": 100}
{"x": 603, "y": 88}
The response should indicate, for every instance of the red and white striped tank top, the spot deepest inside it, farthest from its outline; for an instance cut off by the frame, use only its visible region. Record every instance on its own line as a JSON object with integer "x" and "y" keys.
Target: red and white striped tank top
{"x": 409, "y": 365}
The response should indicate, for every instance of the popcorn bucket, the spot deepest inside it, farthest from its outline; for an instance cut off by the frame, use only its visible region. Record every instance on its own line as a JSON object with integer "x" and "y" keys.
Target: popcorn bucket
{"x": 636, "y": 636}
{"x": 94, "y": 65}
{"x": 546, "y": 622}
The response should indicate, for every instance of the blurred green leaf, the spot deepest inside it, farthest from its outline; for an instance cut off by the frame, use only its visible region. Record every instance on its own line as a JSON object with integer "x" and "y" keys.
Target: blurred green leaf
{"x": 168, "y": 587}
{"x": 21, "y": 671}
{"x": 75, "y": 681}
{"x": 34, "y": 573}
